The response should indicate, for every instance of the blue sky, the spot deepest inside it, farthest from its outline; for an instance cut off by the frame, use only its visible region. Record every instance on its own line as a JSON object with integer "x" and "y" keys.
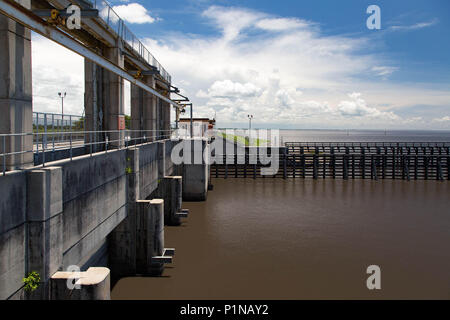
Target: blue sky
{"x": 423, "y": 55}
{"x": 303, "y": 64}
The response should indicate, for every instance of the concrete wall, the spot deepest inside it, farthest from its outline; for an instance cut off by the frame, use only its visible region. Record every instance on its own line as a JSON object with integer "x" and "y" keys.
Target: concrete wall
{"x": 94, "y": 200}
{"x": 58, "y": 155}
{"x": 62, "y": 214}
{"x": 195, "y": 170}
{"x": 169, "y": 166}
{"x": 12, "y": 232}
{"x": 148, "y": 169}
{"x": 58, "y": 216}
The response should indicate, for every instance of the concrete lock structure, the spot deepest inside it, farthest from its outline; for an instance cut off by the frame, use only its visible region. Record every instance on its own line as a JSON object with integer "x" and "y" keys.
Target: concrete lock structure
{"x": 95, "y": 210}
{"x": 196, "y": 169}
{"x": 101, "y": 208}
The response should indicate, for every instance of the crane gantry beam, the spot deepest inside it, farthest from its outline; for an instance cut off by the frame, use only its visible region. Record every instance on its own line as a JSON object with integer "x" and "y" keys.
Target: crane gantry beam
{"x": 27, "y": 18}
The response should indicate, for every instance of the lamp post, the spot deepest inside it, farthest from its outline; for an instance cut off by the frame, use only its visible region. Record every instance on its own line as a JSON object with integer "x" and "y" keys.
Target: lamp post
{"x": 62, "y": 96}
{"x": 250, "y": 117}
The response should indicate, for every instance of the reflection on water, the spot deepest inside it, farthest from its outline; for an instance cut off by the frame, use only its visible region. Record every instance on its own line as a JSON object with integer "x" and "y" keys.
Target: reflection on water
{"x": 306, "y": 239}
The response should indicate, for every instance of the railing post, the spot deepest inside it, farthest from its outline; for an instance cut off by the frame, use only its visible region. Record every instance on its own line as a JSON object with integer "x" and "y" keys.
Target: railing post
{"x": 43, "y": 151}
{"x": 293, "y": 165}
{"x": 70, "y": 145}
{"x": 439, "y": 175}
{"x": 315, "y": 166}
{"x": 374, "y": 168}
{"x": 345, "y": 166}
{"x": 353, "y": 166}
{"x": 245, "y": 163}
{"x": 217, "y": 170}
{"x": 226, "y": 168}
{"x": 333, "y": 163}
{"x": 416, "y": 167}
{"x": 363, "y": 164}
{"x": 4, "y": 155}
{"x": 407, "y": 162}
{"x": 394, "y": 160}
{"x": 448, "y": 167}
{"x": 44, "y": 140}
{"x": 235, "y": 165}
{"x": 324, "y": 165}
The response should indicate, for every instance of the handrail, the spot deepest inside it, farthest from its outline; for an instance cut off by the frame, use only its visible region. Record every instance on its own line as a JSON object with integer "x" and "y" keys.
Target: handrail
{"x": 68, "y": 140}
{"x": 116, "y": 24}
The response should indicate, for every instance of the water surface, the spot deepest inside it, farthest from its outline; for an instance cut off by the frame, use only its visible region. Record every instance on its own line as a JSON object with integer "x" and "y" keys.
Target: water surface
{"x": 306, "y": 239}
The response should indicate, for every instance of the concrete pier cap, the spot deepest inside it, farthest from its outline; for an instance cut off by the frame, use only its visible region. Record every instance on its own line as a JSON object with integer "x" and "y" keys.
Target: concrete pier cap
{"x": 170, "y": 189}
{"x": 93, "y": 284}
{"x": 196, "y": 167}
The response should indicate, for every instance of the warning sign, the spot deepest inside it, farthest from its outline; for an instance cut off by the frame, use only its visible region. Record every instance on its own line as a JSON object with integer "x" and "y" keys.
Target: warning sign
{"x": 121, "y": 123}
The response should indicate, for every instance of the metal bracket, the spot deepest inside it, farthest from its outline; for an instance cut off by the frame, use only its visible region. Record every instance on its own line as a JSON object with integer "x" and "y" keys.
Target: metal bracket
{"x": 50, "y": 13}
{"x": 175, "y": 89}
{"x": 183, "y": 213}
{"x": 167, "y": 256}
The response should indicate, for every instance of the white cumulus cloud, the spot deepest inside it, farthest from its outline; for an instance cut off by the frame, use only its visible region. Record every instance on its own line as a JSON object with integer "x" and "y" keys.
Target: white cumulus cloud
{"x": 133, "y": 13}
{"x": 289, "y": 74}
{"x": 443, "y": 119}
{"x": 357, "y": 107}
{"x": 230, "y": 89}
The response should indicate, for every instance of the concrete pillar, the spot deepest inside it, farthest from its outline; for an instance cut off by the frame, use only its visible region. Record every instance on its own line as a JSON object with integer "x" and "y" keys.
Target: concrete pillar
{"x": 114, "y": 96}
{"x": 15, "y": 93}
{"x": 170, "y": 189}
{"x": 136, "y": 246}
{"x": 93, "y": 104}
{"x": 122, "y": 241}
{"x": 161, "y": 159}
{"x": 104, "y": 100}
{"x": 45, "y": 226}
{"x": 143, "y": 111}
{"x": 150, "y": 251}
{"x": 93, "y": 284}
{"x": 166, "y": 119}
{"x": 195, "y": 170}
{"x": 163, "y": 118}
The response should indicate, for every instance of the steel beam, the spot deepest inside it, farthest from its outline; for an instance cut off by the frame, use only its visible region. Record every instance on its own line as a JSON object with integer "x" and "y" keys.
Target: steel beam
{"x": 25, "y": 17}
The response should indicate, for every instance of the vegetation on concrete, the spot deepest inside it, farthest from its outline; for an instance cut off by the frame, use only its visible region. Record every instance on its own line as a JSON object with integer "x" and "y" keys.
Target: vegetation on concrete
{"x": 31, "y": 281}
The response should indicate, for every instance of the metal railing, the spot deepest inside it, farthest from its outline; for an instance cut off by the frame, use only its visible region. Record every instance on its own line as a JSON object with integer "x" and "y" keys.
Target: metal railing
{"x": 345, "y": 166}
{"x": 116, "y": 24}
{"x": 367, "y": 144}
{"x": 93, "y": 142}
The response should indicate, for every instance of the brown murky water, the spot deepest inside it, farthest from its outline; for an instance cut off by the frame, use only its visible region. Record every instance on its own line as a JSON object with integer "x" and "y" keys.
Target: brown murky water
{"x": 306, "y": 239}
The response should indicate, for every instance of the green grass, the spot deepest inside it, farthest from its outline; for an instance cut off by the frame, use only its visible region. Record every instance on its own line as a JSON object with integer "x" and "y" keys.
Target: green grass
{"x": 244, "y": 140}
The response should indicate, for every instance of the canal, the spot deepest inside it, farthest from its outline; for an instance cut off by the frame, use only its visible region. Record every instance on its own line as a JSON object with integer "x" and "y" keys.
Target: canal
{"x": 307, "y": 239}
